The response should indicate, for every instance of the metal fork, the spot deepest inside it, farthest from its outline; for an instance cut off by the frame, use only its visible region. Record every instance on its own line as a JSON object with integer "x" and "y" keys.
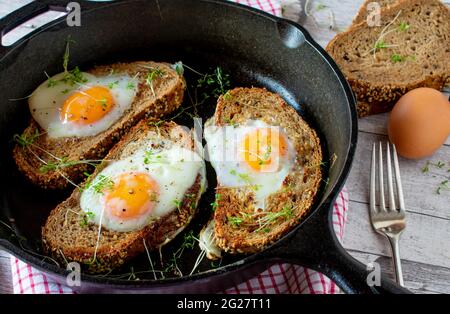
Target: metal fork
{"x": 387, "y": 220}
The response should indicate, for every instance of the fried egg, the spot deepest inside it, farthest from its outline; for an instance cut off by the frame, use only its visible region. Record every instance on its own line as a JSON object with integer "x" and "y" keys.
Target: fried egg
{"x": 130, "y": 193}
{"x": 79, "y": 104}
{"x": 254, "y": 155}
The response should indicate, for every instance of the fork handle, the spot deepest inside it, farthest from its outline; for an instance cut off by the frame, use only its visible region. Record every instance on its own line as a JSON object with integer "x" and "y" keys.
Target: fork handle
{"x": 323, "y": 252}
{"x": 394, "y": 240}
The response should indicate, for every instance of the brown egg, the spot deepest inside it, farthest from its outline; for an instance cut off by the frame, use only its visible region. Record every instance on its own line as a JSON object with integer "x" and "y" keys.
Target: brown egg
{"x": 419, "y": 123}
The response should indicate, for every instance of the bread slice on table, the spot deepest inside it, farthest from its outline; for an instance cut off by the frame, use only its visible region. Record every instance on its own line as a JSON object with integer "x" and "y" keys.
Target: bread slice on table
{"x": 362, "y": 14}
{"x": 161, "y": 97}
{"x": 288, "y": 205}
{"x": 409, "y": 50}
{"x": 68, "y": 234}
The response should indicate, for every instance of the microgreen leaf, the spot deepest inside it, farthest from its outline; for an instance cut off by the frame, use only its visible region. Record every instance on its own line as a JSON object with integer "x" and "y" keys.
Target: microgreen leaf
{"x": 178, "y": 66}
{"x": 320, "y": 6}
{"x": 51, "y": 82}
{"x": 113, "y": 84}
{"x": 73, "y": 77}
{"x": 103, "y": 102}
{"x": 192, "y": 197}
{"x": 426, "y": 168}
{"x": 231, "y": 122}
{"x": 216, "y": 201}
{"x": 404, "y": 26}
{"x": 235, "y": 221}
{"x": 177, "y": 203}
{"x": 189, "y": 240}
{"x": 227, "y": 95}
{"x": 66, "y": 55}
{"x": 150, "y": 157}
{"x": 130, "y": 85}
{"x": 380, "y": 45}
{"x": 103, "y": 183}
{"x": 443, "y": 186}
{"x": 151, "y": 76}
{"x": 84, "y": 221}
{"x": 397, "y": 58}
{"x": 26, "y": 140}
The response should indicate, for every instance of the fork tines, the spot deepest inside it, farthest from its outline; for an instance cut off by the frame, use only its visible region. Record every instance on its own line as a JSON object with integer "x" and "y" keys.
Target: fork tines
{"x": 393, "y": 205}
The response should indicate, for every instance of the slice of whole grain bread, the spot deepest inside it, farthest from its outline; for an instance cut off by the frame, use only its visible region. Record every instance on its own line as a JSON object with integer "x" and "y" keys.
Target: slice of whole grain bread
{"x": 299, "y": 189}
{"x": 67, "y": 239}
{"x": 167, "y": 97}
{"x": 413, "y": 52}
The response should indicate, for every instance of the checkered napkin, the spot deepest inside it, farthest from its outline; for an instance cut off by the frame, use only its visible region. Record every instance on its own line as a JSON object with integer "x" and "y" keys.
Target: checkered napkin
{"x": 279, "y": 278}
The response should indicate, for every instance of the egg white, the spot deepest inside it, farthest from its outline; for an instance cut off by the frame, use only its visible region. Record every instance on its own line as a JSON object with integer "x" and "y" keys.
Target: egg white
{"x": 175, "y": 171}
{"x": 47, "y": 100}
{"x": 223, "y": 144}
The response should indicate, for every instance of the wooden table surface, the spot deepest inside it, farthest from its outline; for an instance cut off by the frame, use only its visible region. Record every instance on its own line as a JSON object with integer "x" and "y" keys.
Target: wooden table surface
{"x": 425, "y": 245}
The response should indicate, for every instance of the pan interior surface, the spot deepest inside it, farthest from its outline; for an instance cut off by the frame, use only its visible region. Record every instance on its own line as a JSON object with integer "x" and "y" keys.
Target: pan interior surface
{"x": 254, "y": 49}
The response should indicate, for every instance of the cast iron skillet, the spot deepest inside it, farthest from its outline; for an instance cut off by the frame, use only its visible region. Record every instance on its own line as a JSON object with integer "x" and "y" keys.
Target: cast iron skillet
{"x": 256, "y": 49}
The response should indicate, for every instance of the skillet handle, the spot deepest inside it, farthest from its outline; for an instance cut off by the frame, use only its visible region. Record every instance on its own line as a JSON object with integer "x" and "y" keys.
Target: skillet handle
{"x": 33, "y": 9}
{"x": 315, "y": 245}
{"x": 21, "y": 16}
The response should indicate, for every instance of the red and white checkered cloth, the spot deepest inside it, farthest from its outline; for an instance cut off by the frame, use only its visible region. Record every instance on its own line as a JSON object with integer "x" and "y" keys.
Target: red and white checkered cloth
{"x": 280, "y": 278}
{"x": 270, "y": 6}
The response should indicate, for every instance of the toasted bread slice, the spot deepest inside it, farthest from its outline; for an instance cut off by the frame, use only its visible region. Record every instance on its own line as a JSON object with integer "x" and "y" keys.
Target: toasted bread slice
{"x": 68, "y": 237}
{"x": 409, "y": 50}
{"x": 362, "y": 14}
{"x": 167, "y": 97}
{"x": 283, "y": 208}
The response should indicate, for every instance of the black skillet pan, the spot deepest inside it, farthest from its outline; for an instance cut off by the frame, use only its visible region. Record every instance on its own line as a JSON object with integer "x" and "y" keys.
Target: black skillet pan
{"x": 255, "y": 49}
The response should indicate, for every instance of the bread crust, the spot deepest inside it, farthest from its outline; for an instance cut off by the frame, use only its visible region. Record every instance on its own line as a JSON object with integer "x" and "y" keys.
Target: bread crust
{"x": 377, "y": 96}
{"x": 169, "y": 91}
{"x": 66, "y": 240}
{"x": 299, "y": 188}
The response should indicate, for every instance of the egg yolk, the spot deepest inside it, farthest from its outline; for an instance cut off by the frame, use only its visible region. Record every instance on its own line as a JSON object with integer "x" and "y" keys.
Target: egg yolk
{"x": 133, "y": 195}
{"x": 262, "y": 149}
{"x": 88, "y": 106}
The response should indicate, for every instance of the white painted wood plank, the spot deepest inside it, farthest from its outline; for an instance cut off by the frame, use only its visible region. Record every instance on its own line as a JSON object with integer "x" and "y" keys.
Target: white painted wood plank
{"x": 419, "y": 188}
{"x": 5, "y": 273}
{"x": 418, "y": 277}
{"x": 343, "y": 10}
{"x": 378, "y": 124}
{"x": 425, "y": 239}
